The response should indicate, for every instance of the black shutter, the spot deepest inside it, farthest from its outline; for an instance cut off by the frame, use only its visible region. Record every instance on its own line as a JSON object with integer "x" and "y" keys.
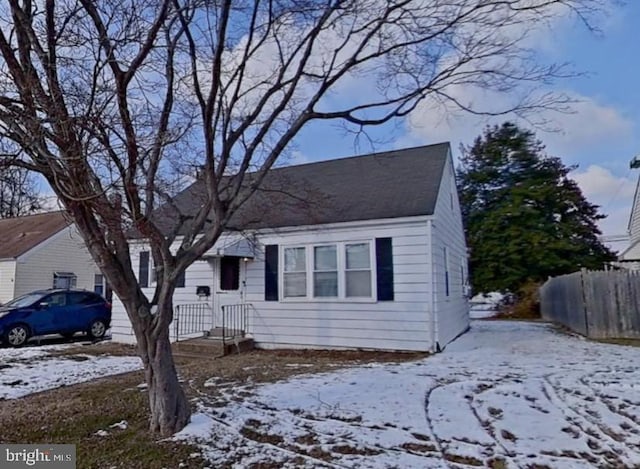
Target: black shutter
{"x": 384, "y": 269}
{"x": 143, "y": 269}
{"x": 271, "y": 272}
{"x": 181, "y": 280}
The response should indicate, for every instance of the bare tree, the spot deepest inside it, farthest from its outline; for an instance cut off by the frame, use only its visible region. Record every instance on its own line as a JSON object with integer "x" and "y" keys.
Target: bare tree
{"x": 111, "y": 101}
{"x": 19, "y": 193}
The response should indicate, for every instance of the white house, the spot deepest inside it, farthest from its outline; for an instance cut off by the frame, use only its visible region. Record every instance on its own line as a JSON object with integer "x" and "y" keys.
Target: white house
{"x": 630, "y": 257}
{"x": 44, "y": 251}
{"x": 361, "y": 252}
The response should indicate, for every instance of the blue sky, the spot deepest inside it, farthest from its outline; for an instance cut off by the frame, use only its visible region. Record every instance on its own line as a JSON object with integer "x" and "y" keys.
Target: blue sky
{"x": 600, "y": 136}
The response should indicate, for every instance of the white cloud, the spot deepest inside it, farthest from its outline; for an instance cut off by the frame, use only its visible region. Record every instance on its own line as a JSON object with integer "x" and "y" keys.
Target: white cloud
{"x": 601, "y": 186}
{"x": 590, "y": 124}
{"x": 614, "y": 194}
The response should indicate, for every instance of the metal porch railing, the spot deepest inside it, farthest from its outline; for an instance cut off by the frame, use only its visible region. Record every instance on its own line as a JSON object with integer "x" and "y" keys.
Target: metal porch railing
{"x": 191, "y": 319}
{"x": 235, "y": 322}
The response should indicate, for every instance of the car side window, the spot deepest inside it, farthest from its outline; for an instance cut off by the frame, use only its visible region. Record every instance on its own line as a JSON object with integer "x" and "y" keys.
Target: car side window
{"x": 56, "y": 299}
{"x": 82, "y": 298}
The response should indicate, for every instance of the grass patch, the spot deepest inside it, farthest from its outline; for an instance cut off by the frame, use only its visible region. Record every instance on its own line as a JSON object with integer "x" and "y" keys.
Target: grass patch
{"x": 75, "y": 414}
{"x": 629, "y": 342}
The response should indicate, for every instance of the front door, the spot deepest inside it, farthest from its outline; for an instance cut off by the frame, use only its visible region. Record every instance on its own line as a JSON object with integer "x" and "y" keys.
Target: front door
{"x": 229, "y": 284}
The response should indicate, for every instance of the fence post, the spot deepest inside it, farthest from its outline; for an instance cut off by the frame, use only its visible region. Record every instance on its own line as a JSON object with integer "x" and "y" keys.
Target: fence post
{"x": 585, "y": 308}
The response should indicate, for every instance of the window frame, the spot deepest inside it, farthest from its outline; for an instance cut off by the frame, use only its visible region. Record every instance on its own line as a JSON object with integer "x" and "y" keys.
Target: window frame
{"x": 282, "y": 272}
{"x": 341, "y": 266}
{"x": 311, "y": 269}
{"x": 372, "y": 280}
{"x": 71, "y": 276}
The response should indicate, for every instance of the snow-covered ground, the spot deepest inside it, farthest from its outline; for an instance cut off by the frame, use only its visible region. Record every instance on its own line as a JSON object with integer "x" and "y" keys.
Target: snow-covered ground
{"x": 33, "y": 369}
{"x": 485, "y": 305}
{"x": 504, "y": 395}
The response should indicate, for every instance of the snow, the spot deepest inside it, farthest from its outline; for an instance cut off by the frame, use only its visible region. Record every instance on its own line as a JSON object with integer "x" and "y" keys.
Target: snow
{"x": 519, "y": 393}
{"x": 485, "y": 305}
{"x": 25, "y": 371}
{"x": 121, "y": 425}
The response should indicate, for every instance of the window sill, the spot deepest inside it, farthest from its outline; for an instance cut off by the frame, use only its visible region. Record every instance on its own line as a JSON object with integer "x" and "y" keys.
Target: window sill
{"x": 328, "y": 300}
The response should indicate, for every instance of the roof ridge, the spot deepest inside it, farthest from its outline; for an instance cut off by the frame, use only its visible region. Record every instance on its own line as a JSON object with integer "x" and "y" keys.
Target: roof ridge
{"x": 364, "y": 155}
{"x": 33, "y": 215}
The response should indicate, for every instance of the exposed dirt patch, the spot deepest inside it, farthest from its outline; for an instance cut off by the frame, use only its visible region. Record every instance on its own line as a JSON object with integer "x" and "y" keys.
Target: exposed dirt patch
{"x": 418, "y": 447}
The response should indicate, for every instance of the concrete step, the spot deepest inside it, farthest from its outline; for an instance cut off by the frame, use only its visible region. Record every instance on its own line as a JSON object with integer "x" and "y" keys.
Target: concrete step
{"x": 242, "y": 345}
{"x": 211, "y": 347}
{"x": 200, "y": 346}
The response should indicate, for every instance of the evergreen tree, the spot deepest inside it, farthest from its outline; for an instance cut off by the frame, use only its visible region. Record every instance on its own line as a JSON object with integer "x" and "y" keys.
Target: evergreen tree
{"x": 525, "y": 218}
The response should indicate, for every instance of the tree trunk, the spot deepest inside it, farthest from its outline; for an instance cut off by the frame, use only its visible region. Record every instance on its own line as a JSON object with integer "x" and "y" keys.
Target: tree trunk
{"x": 168, "y": 403}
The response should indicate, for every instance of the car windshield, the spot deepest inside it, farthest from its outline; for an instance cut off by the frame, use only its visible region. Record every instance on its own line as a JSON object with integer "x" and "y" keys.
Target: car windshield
{"x": 24, "y": 300}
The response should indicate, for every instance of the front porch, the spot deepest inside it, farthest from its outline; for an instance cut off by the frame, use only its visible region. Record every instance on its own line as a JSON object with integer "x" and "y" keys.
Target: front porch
{"x": 198, "y": 328}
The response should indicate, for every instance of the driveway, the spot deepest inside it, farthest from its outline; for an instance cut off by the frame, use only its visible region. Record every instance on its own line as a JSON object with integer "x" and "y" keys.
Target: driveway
{"x": 504, "y": 395}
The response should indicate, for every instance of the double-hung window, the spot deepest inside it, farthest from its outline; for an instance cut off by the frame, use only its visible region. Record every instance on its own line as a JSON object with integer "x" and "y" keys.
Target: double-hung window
{"x": 295, "y": 272}
{"x": 325, "y": 271}
{"x": 357, "y": 270}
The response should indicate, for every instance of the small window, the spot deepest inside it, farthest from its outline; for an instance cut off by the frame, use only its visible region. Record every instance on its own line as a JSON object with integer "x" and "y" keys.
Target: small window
{"x": 98, "y": 284}
{"x": 229, "y": 273}
{"x": 358, "y": 270}
{"x": 446, "y": 271}
{"x": 325, "y": 271}
{"x": 295, "y": 272}
{"x": 64, "y": 280}
{"x": 143, "y": 269}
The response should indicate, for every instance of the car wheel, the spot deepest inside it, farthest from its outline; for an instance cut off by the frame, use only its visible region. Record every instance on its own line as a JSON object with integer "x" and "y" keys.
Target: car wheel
{"x": 97, "y": 329}
{"x": 17, "y": 335}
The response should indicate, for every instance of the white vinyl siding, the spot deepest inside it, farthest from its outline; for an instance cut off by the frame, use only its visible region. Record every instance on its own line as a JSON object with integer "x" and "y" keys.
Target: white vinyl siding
{"x": 63, "y": 252}
{"x": 200, "y": 273}
{"x": 634, "y": 220}
{"x": 402, "y": 324}
{"x": 7, "y": 280}
{"x": 449, "y": 253}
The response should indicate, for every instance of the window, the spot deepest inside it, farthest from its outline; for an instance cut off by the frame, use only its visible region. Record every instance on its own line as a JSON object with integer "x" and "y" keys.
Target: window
{"x": 64, "y": 280}
{"x": 358, "y": 270}
{"x": 295, "y": 273}
{"x": 143, "y": 269}
{"x": 98, "y": 284}
{"x": 446, "y": 271}
{"x": 82, "y": 298}
{"x": 229, "y": 273}
{"x": 56, "y": 299}
{"x": 326, "y": 271}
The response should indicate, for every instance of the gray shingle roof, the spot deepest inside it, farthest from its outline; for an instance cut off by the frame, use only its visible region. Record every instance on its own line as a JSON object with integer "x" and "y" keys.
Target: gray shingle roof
{"x": 399, "y": 183}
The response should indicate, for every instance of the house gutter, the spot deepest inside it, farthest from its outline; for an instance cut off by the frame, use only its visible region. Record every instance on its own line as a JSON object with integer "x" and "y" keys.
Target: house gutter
{"x": 434, "y": 316}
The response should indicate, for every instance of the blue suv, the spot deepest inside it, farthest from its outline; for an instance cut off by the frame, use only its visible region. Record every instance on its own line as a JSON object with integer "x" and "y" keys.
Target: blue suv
{"x": 62, "y": 312}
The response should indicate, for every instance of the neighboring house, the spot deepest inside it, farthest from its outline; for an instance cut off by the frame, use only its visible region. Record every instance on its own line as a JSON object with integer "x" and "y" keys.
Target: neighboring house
{"x": 44, "y": 251}
{"x": 362, "y": 252}
{"x": 630, "y": 257}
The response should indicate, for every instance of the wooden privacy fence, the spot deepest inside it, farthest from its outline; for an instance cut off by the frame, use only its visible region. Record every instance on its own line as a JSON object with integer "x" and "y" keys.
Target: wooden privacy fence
{"x": 596, "y": 304}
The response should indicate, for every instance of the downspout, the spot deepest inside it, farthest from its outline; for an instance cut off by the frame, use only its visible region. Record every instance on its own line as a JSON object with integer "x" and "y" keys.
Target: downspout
{"x": 434, "y": 316}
